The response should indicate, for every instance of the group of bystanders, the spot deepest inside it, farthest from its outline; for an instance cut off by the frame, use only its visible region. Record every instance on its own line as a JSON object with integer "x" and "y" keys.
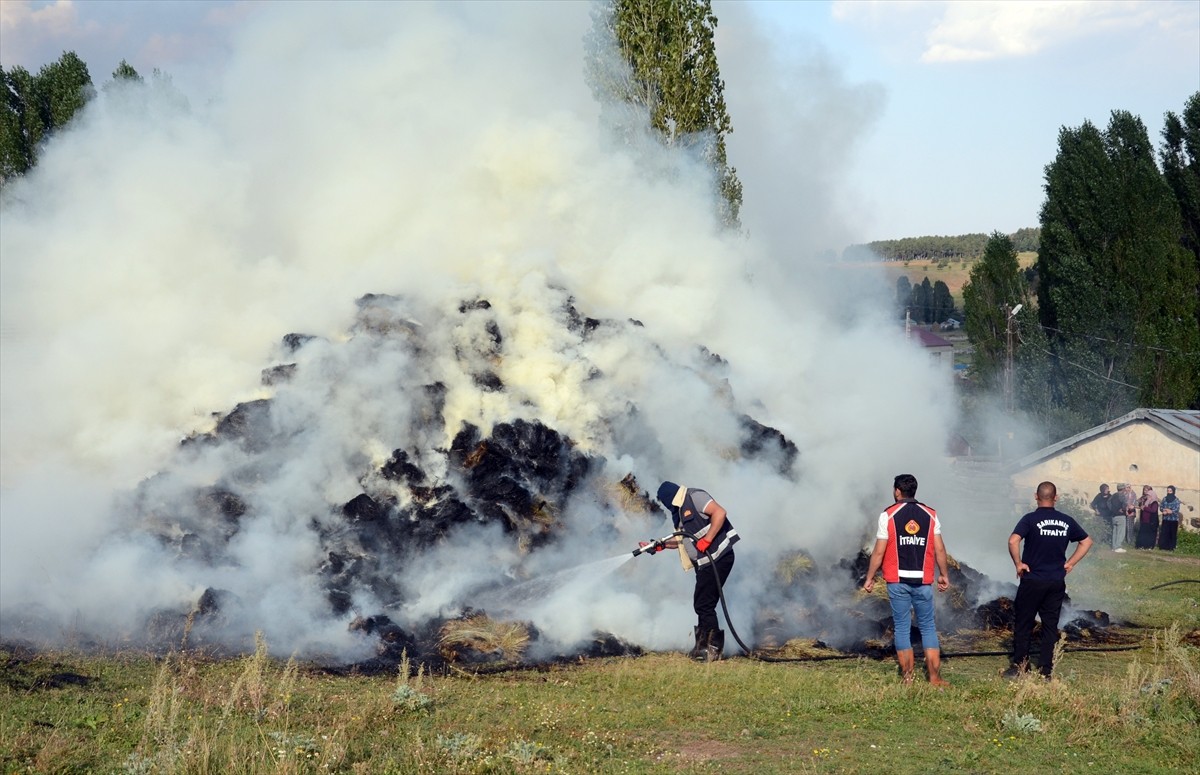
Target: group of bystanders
{"x": 1144, "y": 522}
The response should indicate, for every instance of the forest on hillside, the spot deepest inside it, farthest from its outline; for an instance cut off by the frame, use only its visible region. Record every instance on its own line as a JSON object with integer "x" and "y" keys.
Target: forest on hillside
{"x": 960, "y": 247}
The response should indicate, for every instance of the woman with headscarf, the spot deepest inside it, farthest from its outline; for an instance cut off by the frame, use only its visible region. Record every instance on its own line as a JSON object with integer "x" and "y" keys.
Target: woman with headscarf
{"x": 1148, "y": 524}
{"x": 1169, "y": 509}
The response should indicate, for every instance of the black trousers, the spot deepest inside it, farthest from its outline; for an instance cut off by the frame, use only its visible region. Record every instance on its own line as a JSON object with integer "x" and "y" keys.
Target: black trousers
{"x": 707, "y": 593}
{"x": 1168, "y": 535}
{"x": 1034, "y": 599}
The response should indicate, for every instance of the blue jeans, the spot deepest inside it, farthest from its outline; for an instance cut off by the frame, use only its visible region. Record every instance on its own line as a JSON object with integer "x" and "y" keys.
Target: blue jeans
{"x": 905, "y": 598}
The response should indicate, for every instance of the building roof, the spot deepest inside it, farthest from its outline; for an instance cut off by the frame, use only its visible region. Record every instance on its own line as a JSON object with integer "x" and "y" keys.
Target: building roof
{"x": 1183, "y": 424}
{"x": 928, "y": 338}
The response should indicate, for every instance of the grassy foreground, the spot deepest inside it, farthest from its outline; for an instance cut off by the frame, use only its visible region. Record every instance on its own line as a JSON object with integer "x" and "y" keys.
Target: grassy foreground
{"x": 1131, "y": 712}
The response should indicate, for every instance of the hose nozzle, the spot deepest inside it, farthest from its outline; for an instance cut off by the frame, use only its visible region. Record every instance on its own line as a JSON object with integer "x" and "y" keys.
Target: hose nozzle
{"x": 654, "y": 547}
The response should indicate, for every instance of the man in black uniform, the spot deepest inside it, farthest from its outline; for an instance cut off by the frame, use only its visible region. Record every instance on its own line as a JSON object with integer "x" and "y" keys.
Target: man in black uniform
{"x": 708, "y": 540}
{"x": 1042, "y": 568}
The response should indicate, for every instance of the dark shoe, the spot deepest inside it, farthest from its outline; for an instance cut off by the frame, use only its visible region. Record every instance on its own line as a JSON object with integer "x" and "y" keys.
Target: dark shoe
{"x": 1014, "y": 672}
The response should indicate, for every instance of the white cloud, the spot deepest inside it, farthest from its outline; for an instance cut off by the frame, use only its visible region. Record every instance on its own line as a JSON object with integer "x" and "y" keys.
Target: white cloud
{"x": 1000, "y": 29}
{"x": 24, "y": 27}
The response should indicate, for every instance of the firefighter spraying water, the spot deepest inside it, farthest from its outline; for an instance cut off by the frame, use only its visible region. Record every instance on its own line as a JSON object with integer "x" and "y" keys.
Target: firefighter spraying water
{"x": 704, "y": 537}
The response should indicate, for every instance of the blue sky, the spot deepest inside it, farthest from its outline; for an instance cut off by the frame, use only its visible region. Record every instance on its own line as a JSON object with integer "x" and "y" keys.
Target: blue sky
{"x": 964, "y": 100}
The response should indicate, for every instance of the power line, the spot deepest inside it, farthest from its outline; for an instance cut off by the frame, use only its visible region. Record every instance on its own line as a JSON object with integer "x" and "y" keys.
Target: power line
{"x": 1089, "y": 371}
{"x": 1116, "y": 341}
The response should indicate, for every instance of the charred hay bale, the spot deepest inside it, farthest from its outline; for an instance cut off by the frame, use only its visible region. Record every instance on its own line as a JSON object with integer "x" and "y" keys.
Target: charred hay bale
{"x": 363, "y": 508}
{"x": 604, "y": 644}
{"x": 426, "y": 523}
{"x": 488, "y": 381}
{"x": 293, "y": 342}
{"x": 275, "y": 375}
{"x": 383, "y": 315}
{"x": 996, "y": 614}
{"x": 399, "y": 468}
{"x": 165, "y": 629}
{"x": 764, "y": 442}
{"x": 249, "y": 424}
{"x": 520, "y": 476}
{"x": 578, "y": 323}
{"x": 856, "y": 566}
{"x": 215, "y": 504}
{"x": 1088, "y": 626}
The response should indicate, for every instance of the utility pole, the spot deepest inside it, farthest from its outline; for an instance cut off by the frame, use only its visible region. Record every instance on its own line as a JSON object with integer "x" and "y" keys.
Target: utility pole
{"x": 1009, "y": 316}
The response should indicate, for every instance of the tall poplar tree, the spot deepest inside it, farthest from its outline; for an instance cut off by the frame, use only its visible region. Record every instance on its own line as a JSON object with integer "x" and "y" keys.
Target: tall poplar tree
{"x": 943, "y": 302}
{"x": 671, "y": 71}
{"x": 1110, "y": 265}
{"x": 1181, "y": 167}
{"x": 903, "y": 293}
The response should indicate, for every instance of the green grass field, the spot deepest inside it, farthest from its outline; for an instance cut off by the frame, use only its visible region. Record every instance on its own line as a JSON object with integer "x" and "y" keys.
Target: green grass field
{"x": 1105, "y": 712}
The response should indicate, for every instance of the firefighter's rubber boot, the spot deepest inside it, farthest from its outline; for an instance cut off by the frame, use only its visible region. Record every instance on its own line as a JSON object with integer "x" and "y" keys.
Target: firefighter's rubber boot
{"x": 700, "y": 649}
{"x": 716, "y": 645}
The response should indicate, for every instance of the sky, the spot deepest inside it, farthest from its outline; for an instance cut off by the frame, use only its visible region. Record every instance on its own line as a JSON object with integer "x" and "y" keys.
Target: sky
{"x": 949, "y": 111}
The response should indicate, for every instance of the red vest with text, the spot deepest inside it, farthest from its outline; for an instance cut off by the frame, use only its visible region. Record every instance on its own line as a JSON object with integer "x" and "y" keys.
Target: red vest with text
{"x": 909, "y": 554}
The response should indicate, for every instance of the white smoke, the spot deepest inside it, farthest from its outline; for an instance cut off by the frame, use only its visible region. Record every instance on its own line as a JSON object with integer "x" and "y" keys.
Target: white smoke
{"x": 165, "y": 243}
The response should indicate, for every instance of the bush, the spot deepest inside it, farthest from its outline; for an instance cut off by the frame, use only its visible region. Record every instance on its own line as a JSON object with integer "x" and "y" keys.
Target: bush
{"x": 1189, "y": 543}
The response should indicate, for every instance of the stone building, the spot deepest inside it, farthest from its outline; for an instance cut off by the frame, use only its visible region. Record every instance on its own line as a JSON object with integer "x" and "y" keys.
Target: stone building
{"x": 1157, "y": 447}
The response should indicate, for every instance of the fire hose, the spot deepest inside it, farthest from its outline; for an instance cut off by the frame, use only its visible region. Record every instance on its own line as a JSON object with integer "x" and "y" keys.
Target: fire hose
{"x": 659, "y": 545}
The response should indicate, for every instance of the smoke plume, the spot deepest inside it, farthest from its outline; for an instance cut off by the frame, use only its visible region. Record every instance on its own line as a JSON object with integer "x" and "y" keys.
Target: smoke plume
{"x": 436, "y": 156}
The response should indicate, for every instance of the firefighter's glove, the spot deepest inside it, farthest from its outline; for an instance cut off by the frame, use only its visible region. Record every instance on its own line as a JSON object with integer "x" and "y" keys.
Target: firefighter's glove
{"x": 702, "y": 545}
{"x": 655, "y": 549}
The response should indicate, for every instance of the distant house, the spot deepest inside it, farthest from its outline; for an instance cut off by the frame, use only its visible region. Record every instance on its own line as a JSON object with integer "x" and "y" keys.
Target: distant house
{"x": 1157, "y": 447}
{"x": 951, "y": 324}
{"x": 936, "y": 346}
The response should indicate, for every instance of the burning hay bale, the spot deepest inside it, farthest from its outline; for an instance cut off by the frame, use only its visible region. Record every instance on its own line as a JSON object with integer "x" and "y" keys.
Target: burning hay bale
{"x": 478, "y": 639}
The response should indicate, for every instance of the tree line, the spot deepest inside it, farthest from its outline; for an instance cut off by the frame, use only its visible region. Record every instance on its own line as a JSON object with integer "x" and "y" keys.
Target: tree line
{"x": 1110, "y": 319}
{"x": 959, "y": 248}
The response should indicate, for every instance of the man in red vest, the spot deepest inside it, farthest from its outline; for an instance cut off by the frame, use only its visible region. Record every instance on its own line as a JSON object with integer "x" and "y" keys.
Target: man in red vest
{"x": 908, "y": 544}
